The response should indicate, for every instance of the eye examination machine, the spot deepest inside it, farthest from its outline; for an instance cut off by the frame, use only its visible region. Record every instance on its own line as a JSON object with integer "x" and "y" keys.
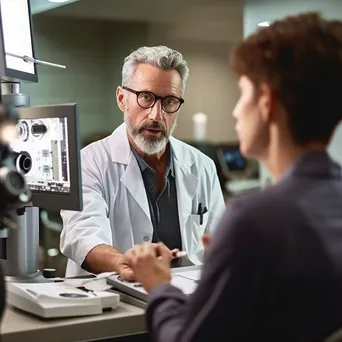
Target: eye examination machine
{"x": 45, "y": 152}
{"x": 40, "y": 168}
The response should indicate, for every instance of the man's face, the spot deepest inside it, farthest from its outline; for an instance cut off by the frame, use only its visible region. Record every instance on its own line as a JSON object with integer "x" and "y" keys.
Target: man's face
{"x": 252, "y": 124}
{"x": 150, "y": 128}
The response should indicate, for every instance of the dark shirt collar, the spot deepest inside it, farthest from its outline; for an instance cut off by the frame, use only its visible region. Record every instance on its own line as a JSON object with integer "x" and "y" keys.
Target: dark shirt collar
{"x": 143, "y": 165}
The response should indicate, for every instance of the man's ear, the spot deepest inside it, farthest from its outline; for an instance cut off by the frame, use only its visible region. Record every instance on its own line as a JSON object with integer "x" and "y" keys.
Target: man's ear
{"x": 266, "y": 102}
{"x": 120, "y": 99}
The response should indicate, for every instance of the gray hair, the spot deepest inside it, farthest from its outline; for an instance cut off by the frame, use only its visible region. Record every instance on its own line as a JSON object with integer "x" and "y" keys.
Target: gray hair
{"x": 159, "y": 56}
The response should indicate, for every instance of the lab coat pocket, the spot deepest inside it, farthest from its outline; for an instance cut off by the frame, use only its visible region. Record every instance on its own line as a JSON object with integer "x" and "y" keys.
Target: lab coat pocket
{"x": 196, "y": 221}
{"x": 197, "y": 230}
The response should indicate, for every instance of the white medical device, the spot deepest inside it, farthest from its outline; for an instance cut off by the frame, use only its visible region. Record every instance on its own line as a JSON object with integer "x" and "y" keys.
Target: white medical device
{"x": 68, "y": 298}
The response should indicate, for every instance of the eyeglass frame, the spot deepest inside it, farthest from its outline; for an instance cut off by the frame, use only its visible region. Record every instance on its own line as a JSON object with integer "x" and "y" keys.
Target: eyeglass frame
{"x": 156, "y": 98}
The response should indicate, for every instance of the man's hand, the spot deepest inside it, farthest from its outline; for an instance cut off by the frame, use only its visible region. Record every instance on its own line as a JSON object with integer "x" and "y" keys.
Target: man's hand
{"x": 126, "y": 273}
{"x": 173, "y": 253}
{"x": 150, "y": 264}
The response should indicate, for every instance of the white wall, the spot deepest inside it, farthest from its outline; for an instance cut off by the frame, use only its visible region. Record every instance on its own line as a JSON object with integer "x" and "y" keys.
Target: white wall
{"x": 256, "y": 11}
{"x": 212, "y": 86}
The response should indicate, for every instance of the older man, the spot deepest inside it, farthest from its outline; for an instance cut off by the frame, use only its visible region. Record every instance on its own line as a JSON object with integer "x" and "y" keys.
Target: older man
{"x": 141, "y": 185}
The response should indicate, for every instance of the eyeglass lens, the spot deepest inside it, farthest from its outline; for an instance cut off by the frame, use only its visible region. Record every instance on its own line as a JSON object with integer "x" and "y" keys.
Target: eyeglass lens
{"x": 170, "y": 104}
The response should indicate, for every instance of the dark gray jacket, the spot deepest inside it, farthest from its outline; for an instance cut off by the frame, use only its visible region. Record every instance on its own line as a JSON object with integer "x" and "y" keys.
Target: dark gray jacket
{"x": 274, "y": 269}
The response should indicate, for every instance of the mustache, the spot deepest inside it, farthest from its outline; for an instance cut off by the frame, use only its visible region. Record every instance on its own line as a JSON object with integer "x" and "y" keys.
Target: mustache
{"x": 153, "y": 125}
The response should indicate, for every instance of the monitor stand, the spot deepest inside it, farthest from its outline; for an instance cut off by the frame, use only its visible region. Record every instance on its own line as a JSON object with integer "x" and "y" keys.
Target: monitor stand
{"x": 19, "y": 248}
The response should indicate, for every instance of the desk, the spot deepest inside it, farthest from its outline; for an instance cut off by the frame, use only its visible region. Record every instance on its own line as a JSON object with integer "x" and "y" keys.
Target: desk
{"x": 237, "y": 187}
{"x": 18, "y": 326}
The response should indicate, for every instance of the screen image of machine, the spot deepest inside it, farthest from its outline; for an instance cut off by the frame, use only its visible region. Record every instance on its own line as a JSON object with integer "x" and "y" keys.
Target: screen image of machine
{"x": 47, "y": 153}
{"x": 42, "y": 148}
{"x": 46, "y": 150}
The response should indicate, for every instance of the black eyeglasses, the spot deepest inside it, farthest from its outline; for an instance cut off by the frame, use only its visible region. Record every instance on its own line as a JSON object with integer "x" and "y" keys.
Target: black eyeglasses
{"x": 146, "y": 99}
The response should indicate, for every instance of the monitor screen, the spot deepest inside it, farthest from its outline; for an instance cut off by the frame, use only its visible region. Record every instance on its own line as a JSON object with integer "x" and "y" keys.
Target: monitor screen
{"x": 17, "y": 39}
{"x": 47, "y": 152}
{"x": 234, "y": 160}
{"x": 42, "y": 148}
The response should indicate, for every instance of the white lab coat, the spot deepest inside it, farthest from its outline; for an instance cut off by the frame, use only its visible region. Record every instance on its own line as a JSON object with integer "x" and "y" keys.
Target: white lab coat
{"x": 115, "y": 205}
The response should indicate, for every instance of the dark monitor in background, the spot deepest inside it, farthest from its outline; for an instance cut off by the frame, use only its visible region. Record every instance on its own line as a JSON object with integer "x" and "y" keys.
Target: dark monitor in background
{"x": 47, "y": 152}
{"x": 231, "y": 161}
{"x": 234, "y": 160}
{"x": 16, "y": 40}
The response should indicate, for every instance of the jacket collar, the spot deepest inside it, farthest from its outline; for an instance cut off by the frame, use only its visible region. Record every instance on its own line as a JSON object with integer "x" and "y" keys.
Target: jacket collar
{"x": 121, "y": 152}
{"x": 316, "y": 164}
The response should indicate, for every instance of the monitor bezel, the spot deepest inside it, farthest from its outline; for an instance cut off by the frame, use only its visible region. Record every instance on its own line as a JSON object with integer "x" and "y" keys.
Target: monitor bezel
{"x": 9, "y": 74}
{"x": 60, "y": 201}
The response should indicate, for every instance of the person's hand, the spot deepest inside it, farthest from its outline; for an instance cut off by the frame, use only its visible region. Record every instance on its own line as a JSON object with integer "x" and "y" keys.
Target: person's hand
{"x": 206, "y": 240}
{"x": 150, "y": 264}
{"x": 125, "y": 271}
{"x": 172, "y": 252}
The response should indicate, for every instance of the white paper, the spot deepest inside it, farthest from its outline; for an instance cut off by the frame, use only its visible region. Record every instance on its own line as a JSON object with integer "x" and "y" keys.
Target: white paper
{"x": 77, "y": 282}
{"x": 186, "y": 285}
{"x": 97, "y": 285}
{"x": 193, "y": 275}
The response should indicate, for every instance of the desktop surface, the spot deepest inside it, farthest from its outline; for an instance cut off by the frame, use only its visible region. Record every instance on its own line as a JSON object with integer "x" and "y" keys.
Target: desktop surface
{"x": 20, "y": 326}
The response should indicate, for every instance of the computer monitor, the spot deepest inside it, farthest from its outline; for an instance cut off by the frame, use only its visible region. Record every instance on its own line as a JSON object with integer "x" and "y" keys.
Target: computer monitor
{"x": 16, "y": 39}
{"x": 234, "y": 160}
{"x": 47, "y": 152}
{"x": 231, "y": 161}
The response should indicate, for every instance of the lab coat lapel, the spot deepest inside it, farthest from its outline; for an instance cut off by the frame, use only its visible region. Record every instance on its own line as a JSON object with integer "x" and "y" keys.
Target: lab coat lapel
{"x": 186, "y": 183}
{"x": 132, "y": 178}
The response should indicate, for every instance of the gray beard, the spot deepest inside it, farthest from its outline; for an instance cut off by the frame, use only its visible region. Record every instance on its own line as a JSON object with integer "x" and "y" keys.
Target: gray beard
{"x": 146, "y": 146}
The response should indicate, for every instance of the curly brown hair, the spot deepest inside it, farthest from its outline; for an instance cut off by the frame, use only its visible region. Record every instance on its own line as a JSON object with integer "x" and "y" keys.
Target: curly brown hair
{"x": 300, "y": 58}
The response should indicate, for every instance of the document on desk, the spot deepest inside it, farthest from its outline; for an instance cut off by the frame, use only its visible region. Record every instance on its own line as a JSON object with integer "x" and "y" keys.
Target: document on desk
{"x": 186, "y": 285}
{"x": 193, "y": 275}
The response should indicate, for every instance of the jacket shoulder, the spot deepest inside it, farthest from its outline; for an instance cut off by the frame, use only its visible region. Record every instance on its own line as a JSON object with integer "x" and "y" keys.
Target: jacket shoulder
{"x": 274, "y": 203}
